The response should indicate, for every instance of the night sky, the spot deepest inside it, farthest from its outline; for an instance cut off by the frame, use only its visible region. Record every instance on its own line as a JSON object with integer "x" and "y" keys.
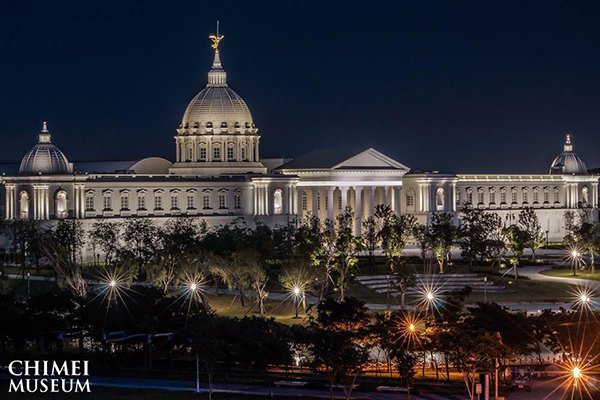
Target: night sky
{"x": 475, "y": 87}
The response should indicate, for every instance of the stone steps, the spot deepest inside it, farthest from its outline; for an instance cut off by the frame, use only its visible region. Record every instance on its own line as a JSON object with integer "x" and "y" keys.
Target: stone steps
{"x": 442, "y": 283}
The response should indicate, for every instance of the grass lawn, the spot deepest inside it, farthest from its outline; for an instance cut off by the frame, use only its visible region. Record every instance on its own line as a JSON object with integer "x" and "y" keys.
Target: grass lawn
{"x": 230, "y": 306}
{"x": 568, "y": 273}
{"x": 104, "y": 393}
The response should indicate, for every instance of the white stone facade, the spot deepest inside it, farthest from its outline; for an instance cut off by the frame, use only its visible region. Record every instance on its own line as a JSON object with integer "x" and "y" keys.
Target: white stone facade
{"x": 218, "y": 176}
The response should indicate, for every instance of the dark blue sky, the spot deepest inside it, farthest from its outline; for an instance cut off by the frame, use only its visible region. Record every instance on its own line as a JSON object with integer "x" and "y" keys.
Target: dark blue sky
{"x": 456, "y": 86}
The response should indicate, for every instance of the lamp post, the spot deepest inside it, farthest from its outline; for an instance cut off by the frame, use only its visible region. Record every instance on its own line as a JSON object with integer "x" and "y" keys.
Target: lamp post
{"x": 485, "y": 289}
{"x": 28, "y": 285}
{"x": 575, "y": 255}
{"x": 296, "y": 292}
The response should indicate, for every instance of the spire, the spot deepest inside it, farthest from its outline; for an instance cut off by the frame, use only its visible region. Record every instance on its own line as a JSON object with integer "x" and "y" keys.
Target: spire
{"x": 44, "y": 136}
{"x": 568, "y": 145}
{"x": 216, "y": 76}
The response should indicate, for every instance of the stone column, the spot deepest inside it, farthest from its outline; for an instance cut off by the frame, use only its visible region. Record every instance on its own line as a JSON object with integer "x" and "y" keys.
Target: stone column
{"x": 358, "y": 210}
{"x": 344, "y": 194}
{"x": 315, "y": 201}
{"x": 453, "y": 197}
{"x": 372, "y": 201}
{"x": 330, "y": 204}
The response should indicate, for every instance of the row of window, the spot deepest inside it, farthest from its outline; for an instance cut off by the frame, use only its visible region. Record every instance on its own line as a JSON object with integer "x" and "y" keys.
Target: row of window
{"x": 513, "y": 194}
{"x": 107, "y": 202}
{"x": 202, "y": 154}
{"x": 304, "y": 201}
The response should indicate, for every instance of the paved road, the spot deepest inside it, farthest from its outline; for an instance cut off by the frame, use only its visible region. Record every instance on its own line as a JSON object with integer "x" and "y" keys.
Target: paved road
{"x": 533, "y": 273}
{"x": 189, "y": 386}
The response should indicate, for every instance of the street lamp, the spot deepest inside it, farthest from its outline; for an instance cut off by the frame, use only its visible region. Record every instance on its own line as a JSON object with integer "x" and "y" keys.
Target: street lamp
{"x": 296, "y": 291}
{"x": 577, "y": 374}
{"x": 28, "y": 285}
{"x": 575, "y": 254}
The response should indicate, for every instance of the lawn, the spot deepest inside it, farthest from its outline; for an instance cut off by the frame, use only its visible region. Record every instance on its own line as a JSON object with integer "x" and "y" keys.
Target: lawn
{"x": 568, "y": 273}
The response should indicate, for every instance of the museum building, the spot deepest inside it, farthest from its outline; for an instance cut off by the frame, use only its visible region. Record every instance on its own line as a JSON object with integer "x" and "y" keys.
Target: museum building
{"x": 219, "y": 176}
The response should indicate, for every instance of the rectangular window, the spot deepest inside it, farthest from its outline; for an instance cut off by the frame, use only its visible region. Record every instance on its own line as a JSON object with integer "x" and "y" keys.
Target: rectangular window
{"x": 493, "y": 197}
{"x": 206, "y": 201}
{"x": 503, "y": 197}
{"x": 410, "y": 200}
{"x": 141, "y": 202}
{"x": 546, "y": 197}
{"x": 339, "y": 202}
{"x": 525, "y": 197}
{"x": 243, "y": 153}
{"x": 202, "y": 153}
{"x": 174, "y": 202}
{"x": 190, "y": 201}
{"x": 480, "y": 197}
{"x": 535, "y": 196}
{"x": 230, "y": 153}
{"x": 124, "y": 202}
{"x": 217, "y": 154}
{"x": 237, "y": 201}
{"x": 514, "y": 196}
{"x": 304, "y": 205}
{"x": 469, "y": 198}
{"x": 318, "y": 201}
{"x": 157, "y": 202}
{"x": 556, "y": 196}
{"x": 107, "y": 203}
{"x": 89, "y": 203}
{"x": 222, "y": 201}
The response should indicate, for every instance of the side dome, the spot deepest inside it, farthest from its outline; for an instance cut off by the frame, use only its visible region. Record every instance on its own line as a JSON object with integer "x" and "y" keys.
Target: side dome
{"x": 217, "y": 108}
{"x": 568, "y": 162}
{"x": 45, "y": 158}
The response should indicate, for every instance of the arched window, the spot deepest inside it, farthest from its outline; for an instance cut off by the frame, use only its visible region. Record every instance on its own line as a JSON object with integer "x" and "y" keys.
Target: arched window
{"x": 24, "y": 205}
{"x": 61, "y": 204}
{"x": 439, "y": 199}
{"x": 277, "y": 202}
{"x": 585, "y": 196}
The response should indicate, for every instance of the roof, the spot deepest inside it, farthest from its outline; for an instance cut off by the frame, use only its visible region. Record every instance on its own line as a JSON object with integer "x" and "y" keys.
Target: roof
{"x": 344, "y": 159}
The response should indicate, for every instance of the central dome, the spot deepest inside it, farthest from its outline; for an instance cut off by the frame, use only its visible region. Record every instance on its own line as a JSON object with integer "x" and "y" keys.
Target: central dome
{"x": 217, "y": 108}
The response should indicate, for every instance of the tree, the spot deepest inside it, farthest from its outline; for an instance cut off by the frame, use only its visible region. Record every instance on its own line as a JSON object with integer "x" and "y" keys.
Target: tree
{"x": 340, "y": 341}
{"x": 516, "y": 241}
{"x": 420, "y": 234}
{"x": 442, "y": 236}
{"x": 530, "y": 223}
{"x": 369, "y": 236}
{"x": 346, "y": 249}
{"x": 233, "y": 272}
{"x": 398, "y": 339}
{"x": 141, "y": 241}
{"x": 24, "y": 238}
{"x": 62, "y": 245}
{"x": 472, "y": 234}
{"x": 394, "y": 233}
{"x": 105, "y": 236}
{"x": 179, "y": 257}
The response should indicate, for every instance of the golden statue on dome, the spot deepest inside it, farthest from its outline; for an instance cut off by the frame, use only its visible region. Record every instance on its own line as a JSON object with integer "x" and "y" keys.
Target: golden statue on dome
{"x": 216, "y": 39}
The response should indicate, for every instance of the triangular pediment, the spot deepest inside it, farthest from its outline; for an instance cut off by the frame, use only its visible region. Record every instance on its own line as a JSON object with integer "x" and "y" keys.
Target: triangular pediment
{"x": 370, "y": 159}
